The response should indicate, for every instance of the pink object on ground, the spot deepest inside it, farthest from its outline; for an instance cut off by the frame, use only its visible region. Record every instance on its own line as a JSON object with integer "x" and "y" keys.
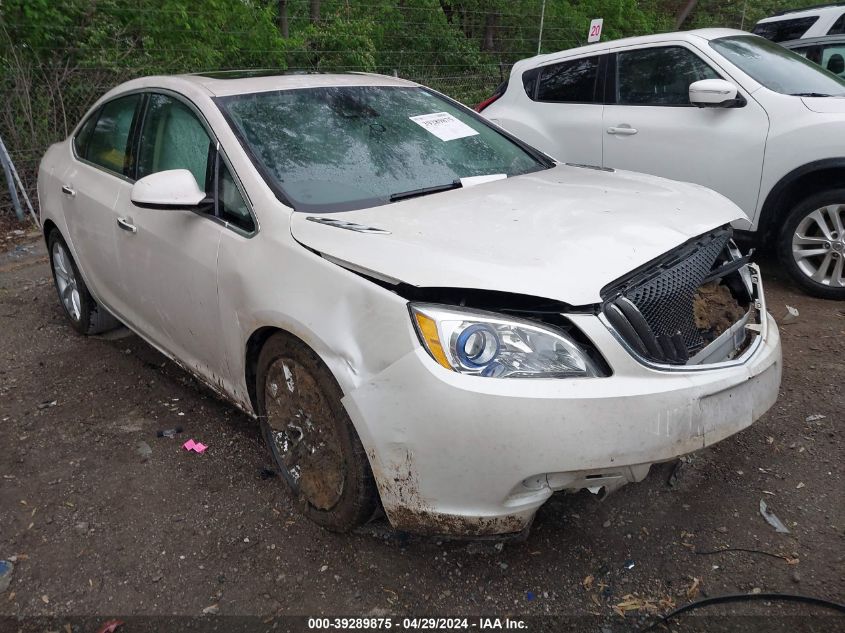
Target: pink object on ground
{"x": 197, "y": 447}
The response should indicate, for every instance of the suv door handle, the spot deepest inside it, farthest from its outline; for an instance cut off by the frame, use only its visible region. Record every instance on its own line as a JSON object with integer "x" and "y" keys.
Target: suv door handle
{"x": 66, "y": 189}
{"x": 622, "y": 130}
{"x": 126, "y": 225}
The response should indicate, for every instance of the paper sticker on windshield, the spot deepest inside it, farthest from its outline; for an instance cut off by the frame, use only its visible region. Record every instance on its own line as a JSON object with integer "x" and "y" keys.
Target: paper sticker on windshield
{"x": 444, "y": 126}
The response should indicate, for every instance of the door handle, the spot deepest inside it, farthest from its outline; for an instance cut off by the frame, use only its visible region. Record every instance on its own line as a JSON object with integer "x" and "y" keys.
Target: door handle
{"x": 126, "y": 225}
{"x": 66, "y": 189}
{"x": 622, "y": 130}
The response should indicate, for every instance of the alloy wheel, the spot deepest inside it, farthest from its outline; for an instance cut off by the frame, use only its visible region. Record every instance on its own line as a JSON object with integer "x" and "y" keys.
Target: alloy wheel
{"x": 818, "y": 245}
{"x": 66, "y": 281}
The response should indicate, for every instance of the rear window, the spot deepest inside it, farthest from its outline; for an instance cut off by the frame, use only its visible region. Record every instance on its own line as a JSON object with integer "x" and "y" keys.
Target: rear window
{"x": 571, "y": 81}
{"x": 529, "y": 82}
{"x": 783, "y": 30}
{"x": 341, "y": 148}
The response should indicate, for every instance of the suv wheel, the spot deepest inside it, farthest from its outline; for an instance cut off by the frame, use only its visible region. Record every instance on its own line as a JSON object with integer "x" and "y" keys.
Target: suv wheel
{"x": 310, "y": 437}
{"x": 84, "y": 313}
{"x": 811, "y": 244}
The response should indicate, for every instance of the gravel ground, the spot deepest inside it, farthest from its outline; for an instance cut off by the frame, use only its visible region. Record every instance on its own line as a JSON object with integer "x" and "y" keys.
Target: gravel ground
{"x": 95, "y": 527}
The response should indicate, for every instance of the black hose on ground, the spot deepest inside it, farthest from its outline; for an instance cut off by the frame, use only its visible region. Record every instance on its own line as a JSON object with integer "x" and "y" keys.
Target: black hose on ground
{"x": 742, "y": 597}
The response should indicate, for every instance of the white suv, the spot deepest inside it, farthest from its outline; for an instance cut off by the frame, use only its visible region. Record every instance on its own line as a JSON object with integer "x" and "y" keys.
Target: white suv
{"x": 768, "y": 132}
{"x": 801, "y": 23}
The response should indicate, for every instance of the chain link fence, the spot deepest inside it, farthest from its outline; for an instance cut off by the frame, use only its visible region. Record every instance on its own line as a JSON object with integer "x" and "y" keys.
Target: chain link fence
{"x": 43, "y": 105}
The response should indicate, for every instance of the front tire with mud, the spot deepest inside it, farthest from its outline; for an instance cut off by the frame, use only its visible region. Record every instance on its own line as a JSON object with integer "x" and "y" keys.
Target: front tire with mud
{"x": 310, "y": 436}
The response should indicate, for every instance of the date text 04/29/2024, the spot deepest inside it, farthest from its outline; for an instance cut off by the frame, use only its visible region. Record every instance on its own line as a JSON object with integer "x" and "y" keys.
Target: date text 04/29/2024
{"x": 416, "y": 624}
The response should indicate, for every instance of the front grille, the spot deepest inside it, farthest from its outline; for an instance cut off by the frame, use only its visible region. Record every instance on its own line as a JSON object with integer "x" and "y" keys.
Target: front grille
{"x": 653, "y": 307}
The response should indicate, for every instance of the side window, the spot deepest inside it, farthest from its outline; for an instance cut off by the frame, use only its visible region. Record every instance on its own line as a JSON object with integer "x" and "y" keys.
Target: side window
{"x": 785, "y": 30}
{"x": 658, "y": 76}
{"x": 231, "y": 205}
{"x": 838, "y": 27}
{"x": 529, "y": 82}
{"x": 570, "y": 81}
{"x": 833, "y": 59}
{"x": 173, "y": 138}
{"x": 80, "y": 141}
{"x": 110, "y": 137}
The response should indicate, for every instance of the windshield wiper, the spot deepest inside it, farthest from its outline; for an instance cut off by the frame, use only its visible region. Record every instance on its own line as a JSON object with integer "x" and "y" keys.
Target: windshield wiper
{"x": 809, "y": 94}
{"x": 413, "y": 193}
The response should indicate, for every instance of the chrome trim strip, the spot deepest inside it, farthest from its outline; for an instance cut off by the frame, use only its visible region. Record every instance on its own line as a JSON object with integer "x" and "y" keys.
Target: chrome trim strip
{"x": 762, "y": 328}
{"x": 349, "y": 226}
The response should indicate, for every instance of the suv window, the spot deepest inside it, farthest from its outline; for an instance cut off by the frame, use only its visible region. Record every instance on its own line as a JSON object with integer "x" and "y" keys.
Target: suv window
{"x": 231, "y": 205}
{"x": 838, "y": 27}
{"x": 529, "y": 82}
{"x": 831, "y": 57}
{"x": 110, "y": 137}
{"x": 783, "y": 30}
{"x": 658, "y": 76}
{"x": 572, "y": 81}
{"x": 172, "y": 137}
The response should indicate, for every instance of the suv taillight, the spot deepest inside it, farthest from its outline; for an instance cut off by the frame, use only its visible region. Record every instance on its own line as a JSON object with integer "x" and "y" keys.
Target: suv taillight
{"x": 498, "y": 92}
{"x": 486, "y": 103}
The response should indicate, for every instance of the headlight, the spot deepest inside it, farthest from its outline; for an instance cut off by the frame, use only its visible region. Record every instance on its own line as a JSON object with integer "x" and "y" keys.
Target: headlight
{"x": 488, "y": 344}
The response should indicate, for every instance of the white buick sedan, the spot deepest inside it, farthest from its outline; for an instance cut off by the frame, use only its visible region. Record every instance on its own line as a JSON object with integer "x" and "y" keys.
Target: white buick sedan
{"x": 425, "y": 314}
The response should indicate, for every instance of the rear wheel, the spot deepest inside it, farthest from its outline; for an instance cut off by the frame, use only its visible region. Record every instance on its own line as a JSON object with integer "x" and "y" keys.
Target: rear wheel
{"x": 84, "y": 313}
{"x": 811, "y": 244}
{"x": 310, "y": 437}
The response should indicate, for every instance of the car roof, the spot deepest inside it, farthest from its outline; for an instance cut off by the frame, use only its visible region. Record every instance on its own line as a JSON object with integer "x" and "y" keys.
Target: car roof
{"x": 814, "y": 41}
{"x": 600, "y": 47}
{"x": 805, "y": 12}
{"x": 226, "y": 83}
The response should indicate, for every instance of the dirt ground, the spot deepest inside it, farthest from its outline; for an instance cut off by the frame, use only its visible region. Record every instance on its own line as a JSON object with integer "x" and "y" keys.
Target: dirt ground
{"x": 95, "y": 528}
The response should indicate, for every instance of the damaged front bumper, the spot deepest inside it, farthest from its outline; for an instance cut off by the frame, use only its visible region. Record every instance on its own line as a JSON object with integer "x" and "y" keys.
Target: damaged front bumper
{"x": 461, "y": 455}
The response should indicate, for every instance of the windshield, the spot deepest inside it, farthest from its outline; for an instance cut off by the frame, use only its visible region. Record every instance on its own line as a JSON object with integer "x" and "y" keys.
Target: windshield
{"x": 341, "y": 148}
{"x": 777, "y": 68}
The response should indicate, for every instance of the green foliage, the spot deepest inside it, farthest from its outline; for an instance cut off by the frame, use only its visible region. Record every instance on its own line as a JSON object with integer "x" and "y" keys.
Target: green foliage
{"x": 58, "y": 56}
{"x": 739, "y": 13}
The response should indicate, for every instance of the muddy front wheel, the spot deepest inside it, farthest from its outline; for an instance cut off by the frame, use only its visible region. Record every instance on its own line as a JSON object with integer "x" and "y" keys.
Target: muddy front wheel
{"x": 310, "y": 437}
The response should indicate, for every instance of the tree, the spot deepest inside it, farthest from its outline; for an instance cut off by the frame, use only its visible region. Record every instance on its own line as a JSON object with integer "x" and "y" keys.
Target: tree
{"x": 282, "y": 18}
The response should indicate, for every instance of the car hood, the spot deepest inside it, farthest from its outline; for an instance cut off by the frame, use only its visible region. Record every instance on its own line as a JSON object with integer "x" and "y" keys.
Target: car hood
{"x": 562, "y": 233}
{"x": 825, "y": 105}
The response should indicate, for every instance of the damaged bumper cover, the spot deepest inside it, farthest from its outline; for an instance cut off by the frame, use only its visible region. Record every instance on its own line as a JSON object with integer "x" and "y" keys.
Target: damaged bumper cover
{"x": 455, "y": 454}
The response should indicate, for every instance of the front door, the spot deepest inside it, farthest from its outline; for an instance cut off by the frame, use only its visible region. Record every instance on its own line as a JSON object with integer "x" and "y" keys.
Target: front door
{"x": 168, "y": 257}
{"x": 650, "y": 126}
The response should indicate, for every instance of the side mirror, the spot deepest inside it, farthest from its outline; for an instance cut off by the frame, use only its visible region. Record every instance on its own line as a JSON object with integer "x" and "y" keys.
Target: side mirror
{"x": 171, "y": 189}
{"x": 715, "y": 93}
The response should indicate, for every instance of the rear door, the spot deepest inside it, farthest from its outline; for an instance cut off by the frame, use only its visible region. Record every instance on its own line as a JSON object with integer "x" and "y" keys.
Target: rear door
{"x": 650, "y": 125}
{"x": 91, "y": 187}
{"x": 563, "y": 113}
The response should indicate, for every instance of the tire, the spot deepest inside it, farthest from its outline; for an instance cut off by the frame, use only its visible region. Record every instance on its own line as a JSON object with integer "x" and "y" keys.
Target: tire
{"x": 82, "y": 311}
{"x": 816, "y": 225}
{"x": 310, "y": 436}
